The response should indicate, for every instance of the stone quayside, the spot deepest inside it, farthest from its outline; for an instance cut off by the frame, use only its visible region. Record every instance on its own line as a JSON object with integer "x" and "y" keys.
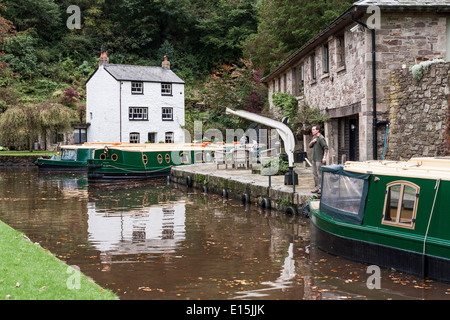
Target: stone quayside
{"x": 240, "y": 183}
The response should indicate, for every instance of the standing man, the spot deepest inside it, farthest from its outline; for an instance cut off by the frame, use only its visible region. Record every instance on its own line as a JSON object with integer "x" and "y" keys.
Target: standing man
{"x": 319, "y": 156}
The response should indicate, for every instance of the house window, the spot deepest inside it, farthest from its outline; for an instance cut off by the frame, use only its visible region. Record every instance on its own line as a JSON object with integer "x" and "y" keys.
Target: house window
{"x": 169, "y": 137}
{"x": 151, "y": 137}
{"x": 58, "y": 137}
{"x": 325, "y": 58}
{"x": 301, "y": 83}
{"x": 166, "y": 89}
{"x": 400, "y": 204}
{"x": 137, "y": 87}
{"x": 313, "y": 66}
{"x": 79, "y": 135}
{"x": 134, "y": 137}
{"x": 167, "y": 114}
{"x": 138, "y": 113}
{"x": 340, "y": 52}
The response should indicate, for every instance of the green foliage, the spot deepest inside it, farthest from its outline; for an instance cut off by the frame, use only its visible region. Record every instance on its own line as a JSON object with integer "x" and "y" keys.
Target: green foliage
{"x": 286, "y": 103}
{"x": 20, "y": 54}
{"x": 285, "y": 25}
{"x": 20, "y": 126}
{"x": 301, "y": 119}
{"x": 311, "y": 116}
{"x": 279, "y": 165}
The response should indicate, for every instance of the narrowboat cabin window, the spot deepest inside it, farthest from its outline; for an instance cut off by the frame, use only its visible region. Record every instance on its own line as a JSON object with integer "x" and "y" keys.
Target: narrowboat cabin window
{"x": 400, "y": 204}
{"x": 69, "y": 155}
{"x": 343, "y": 194}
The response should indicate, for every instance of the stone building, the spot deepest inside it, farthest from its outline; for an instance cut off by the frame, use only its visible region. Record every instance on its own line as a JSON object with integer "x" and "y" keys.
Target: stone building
{"x": 346, "y": 70}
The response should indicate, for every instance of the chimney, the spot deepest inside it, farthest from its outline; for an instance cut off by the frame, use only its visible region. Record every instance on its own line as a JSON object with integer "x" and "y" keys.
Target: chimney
{"x": 166, "y": 63}
{"x": 103, "y": 60}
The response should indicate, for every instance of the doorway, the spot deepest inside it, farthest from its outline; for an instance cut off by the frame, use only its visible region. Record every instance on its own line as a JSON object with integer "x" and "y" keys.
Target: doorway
{"x": 348, "y": 137}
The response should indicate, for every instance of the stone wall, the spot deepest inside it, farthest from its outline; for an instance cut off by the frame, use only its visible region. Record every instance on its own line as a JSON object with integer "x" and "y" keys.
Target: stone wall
{"x": 418, "y": 113}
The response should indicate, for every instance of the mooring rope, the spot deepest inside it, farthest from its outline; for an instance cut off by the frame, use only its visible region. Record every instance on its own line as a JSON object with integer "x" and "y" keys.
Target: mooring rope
{"x": 436, "y": 187}
{"x": 150, "y": 171}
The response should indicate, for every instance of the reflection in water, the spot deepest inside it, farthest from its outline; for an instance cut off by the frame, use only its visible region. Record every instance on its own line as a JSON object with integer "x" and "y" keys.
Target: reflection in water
{"x": 151, "y": 230}
{"x": 158, "y": 241}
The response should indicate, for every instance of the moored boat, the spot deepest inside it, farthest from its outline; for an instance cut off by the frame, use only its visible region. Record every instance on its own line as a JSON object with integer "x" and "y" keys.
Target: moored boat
{"x": 393, "y": 214}
{"x": 73, "y": 157}
{"x": 146, "y": 161}
{"x": 70, "y": 157}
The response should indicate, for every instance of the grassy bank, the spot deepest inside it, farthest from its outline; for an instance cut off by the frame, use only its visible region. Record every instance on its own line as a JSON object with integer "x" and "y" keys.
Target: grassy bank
{"x": 29, "y": 272}
{"x": 27, "y": 153}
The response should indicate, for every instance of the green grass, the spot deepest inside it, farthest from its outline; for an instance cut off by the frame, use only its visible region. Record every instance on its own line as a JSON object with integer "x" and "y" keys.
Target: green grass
{"x": 29, "y": 272}
{"x": 26, "y": 153}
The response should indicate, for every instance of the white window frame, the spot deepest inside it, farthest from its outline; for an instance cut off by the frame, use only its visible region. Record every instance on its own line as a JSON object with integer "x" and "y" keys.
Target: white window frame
{"x": 167, "y": 113}
{"x": 137, "y": 87}
{"x": 169, "y": 137}
{"x": 135, "y": 137}
{"x": 138, "y": 113}
{"x": 166, "y": 89}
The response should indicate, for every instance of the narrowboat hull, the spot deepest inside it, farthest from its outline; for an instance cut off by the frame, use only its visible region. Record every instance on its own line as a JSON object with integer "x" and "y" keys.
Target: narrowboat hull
{"x": 50, "y": 164}
{"x": 363, "y": 247}
{"x": 144, "y": 162}
{"x": 390, "y": 214}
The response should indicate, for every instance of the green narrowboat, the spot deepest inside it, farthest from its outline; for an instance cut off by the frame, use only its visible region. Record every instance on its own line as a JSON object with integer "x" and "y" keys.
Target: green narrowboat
{"x": 70, "y": 157}
{"x": 393, "y": 214}
{"x": 146, "y": 161}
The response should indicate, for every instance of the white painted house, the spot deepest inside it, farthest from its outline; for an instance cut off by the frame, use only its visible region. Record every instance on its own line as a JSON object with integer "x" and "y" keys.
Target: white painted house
{"x": 138, "y": 104}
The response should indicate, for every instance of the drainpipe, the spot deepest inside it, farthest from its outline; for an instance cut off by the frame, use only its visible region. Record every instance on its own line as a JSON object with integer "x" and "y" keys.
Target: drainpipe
{"x": 374, "y": 87}
{"x": 120, "y": 112}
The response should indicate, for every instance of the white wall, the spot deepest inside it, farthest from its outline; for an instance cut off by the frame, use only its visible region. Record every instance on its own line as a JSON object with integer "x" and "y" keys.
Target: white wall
{"x": 102, "y": 107}
{"x": 106, "y": 100}
{"x": 154, "y": 101}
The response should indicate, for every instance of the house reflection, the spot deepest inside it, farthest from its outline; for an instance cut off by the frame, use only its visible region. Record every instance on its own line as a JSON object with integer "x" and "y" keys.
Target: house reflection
{"x": 135, "y": 222}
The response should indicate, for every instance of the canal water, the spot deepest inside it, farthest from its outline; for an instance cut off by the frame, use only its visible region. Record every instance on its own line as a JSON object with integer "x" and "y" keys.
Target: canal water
{"x": 157, "y": 241}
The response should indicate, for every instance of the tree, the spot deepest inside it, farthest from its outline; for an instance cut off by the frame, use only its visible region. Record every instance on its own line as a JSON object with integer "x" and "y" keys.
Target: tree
{"x": 7, "y": 30}
{"x": 235, "y": 87}
{"x": 285, "y": 25}
{"x": 21, "y": 126}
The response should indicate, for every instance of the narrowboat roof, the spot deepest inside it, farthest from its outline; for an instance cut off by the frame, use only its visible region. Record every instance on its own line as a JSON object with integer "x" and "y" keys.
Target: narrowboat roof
{"x": 424, "y": 168}
{"x": 161, "y": 147}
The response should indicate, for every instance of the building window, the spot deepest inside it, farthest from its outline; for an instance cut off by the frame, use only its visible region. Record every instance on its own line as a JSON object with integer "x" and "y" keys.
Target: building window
{"x": 285, "y": 83}
{"x": 134, "y": 137}
{"x": 167, "y": 114}
{"x": 340, "y": 52}
{"x": 325, "y": 58}
{"x": 169, "y": 137}
{"x": 138, "y": 113}
{"x": 313, "y": 66}
{"x": 137, "y": 87}
{"x": 166, "y": 89}
{"x": 58, "y": 137}
{"x": 301, "y": 82}
{"x": 400, "y": 204}
{"x": 151, "y": 137}
{"x": 79, "y": 135}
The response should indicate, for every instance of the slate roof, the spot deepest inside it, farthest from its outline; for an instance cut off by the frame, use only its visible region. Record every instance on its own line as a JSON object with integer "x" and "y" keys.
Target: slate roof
{"x": 126, "y": 72}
